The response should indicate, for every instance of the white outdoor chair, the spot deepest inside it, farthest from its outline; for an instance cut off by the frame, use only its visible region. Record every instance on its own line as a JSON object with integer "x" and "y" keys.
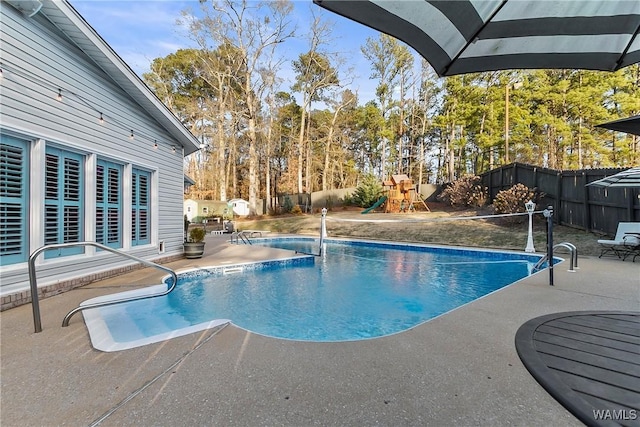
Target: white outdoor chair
{"x": 625, "y": 243}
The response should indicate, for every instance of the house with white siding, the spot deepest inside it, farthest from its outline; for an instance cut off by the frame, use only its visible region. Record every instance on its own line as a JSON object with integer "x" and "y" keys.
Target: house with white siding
{"x": 87, "y": 153}
{"x": 197, "y": 210}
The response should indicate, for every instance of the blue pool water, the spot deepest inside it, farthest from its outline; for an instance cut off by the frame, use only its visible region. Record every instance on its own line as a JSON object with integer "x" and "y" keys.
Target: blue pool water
{"x": 355, "y": 290}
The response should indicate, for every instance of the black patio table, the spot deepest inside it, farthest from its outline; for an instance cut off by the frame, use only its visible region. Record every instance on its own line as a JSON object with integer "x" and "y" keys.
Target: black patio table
{"x": 589, "y": 361}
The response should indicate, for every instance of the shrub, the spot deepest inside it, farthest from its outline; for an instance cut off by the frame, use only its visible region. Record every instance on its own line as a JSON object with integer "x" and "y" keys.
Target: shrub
{"x": 368, "y": 191}
{"x": 287, "y": 205}
{"x": 328, "y": 203}
{"x": 296, "y": 210}
{"x": 347, "y": 200}
{"x": 197, "y": 234}
{"x": 513, "y": 200}
{"x": 465, "y": 191}
{"x": 227, "y": 213}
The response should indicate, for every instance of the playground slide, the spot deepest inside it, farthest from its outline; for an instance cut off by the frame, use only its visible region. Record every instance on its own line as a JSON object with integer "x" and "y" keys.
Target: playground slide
{"x": 380, "y": 201}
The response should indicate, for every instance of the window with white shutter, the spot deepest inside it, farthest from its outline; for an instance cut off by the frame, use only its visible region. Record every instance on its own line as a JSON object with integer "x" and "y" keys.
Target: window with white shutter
{"x": 64, "y": 200}
{"x": 140, "y": 207}
{"x": 14, "y": 184}
{"x": 109, "y": 203}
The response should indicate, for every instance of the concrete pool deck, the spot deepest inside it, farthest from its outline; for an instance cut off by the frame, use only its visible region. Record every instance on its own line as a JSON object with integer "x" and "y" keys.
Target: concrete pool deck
{"x": 458, "y": 369}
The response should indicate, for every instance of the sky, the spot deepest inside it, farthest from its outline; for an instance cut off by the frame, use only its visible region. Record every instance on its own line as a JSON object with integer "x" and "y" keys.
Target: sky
{"x": 140, "y": 31}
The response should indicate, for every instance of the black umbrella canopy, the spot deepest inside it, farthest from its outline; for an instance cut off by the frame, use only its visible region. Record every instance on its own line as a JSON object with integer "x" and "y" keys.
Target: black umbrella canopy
{"x": 465, "y": 36}
{"x": 628, "y": 125}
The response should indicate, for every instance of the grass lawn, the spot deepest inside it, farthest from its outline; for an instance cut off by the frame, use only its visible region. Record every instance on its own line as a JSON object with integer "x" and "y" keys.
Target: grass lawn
{"x": 435, "y": 227}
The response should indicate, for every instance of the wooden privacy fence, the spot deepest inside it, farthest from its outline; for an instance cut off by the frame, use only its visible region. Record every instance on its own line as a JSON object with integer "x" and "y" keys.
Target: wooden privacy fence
{"x": 303, "y": 200}
{"x": 574, "y": 204}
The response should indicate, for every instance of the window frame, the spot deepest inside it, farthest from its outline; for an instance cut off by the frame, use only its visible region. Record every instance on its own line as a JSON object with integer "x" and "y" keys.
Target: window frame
{"x": 60, "y": 205}
{"x": 109, "y": 200}
{"x": 140, "y": 207}
{"x": 7, "y": 236}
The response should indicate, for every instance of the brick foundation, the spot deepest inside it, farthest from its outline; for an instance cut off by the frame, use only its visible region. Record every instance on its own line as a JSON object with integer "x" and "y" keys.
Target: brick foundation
{"x": 24, "y": 297}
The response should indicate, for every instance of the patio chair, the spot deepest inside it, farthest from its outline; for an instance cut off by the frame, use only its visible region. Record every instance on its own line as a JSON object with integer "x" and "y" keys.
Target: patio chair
{"x": 632, "y": 245}
{"x": 625, "y": 243}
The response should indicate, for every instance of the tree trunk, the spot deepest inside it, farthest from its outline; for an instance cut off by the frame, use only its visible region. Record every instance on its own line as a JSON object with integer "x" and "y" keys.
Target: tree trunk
{"x": 253, "y": 157}
{"x": 308, "y": 161}
{"x": 222, "y": 174}
{"x": 267, "y": 167}
{"x": 451, "y": 153}
{"x": 303, "y": 119}
{"x": 325, "y": 169}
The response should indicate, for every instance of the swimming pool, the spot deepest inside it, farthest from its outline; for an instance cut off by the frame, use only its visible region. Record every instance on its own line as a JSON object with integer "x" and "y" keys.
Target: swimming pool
{"x": 355, "y": 290}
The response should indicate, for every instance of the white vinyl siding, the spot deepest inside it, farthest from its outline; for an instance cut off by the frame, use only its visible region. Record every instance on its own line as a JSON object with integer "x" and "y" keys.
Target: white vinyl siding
{"x": 14, "y": 183}
{"x": 38, "y": 60}
{"x": 64, "y": 196}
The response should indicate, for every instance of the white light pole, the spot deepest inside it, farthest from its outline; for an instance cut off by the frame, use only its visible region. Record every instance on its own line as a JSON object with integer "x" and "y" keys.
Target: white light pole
{"x": 530, "y": 206}
{"x": 323, "y": 225}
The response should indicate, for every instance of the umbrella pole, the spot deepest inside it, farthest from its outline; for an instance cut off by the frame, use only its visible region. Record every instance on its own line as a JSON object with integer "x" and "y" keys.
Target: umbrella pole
{"x": 548, "y": 213}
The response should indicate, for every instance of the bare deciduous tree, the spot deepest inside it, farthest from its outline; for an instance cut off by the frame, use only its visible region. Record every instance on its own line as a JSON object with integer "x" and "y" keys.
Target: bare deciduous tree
{"x": 314, "y": 74}
{"x": 253, "y": 30}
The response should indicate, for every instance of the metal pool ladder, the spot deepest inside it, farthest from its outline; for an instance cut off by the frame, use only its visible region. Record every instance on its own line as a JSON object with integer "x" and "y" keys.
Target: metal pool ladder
{"x": 34, "y": 285}
{"x": 572, "y": 250}
{"x": 238, "y": 236}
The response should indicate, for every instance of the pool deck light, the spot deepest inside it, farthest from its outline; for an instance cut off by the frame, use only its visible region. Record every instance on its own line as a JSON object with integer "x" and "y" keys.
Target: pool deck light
{"x": 530, "y": 206}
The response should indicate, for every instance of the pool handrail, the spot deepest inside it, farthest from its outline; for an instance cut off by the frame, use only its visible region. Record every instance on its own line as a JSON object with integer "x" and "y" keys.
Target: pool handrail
{"x": 323, "y": 234}
{"x": 34, "y": 285}
{"x": 573, "y": 264}
{"x": 240, "y": 235}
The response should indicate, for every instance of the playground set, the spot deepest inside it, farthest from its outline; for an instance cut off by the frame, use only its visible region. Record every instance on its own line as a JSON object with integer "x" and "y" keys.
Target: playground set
{"x": 401, "y": 196}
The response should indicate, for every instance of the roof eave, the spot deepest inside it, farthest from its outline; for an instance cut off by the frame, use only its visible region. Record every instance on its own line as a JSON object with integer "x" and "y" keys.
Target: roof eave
{"x": 120, "y": 72}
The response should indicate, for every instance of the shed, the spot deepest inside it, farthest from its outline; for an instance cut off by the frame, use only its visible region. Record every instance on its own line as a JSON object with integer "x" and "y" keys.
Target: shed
{"x": 206, "y": 209}
{"x": 240, "y": 207}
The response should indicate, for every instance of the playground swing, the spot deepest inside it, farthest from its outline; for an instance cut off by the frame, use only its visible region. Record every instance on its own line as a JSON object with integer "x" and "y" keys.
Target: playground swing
{"x": 401, "y": 196}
